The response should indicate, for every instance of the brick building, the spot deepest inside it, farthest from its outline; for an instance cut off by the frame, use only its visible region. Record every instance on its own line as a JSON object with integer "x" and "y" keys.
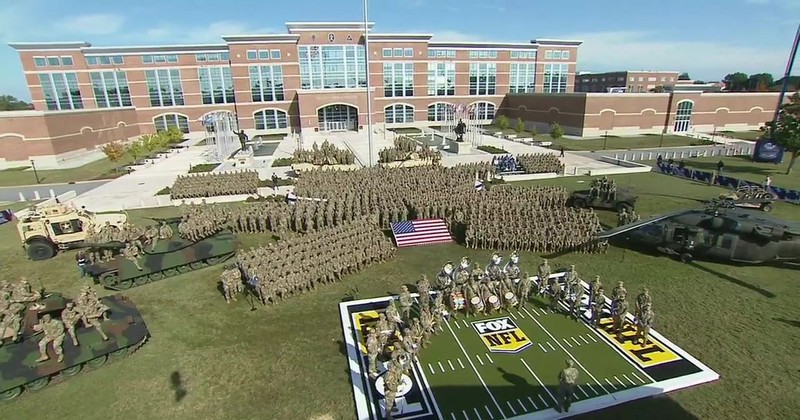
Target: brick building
{"x": 624, "y": 81}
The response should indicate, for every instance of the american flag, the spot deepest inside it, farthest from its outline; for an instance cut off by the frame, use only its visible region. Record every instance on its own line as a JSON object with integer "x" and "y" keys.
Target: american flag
{"x": 421, "y": 232}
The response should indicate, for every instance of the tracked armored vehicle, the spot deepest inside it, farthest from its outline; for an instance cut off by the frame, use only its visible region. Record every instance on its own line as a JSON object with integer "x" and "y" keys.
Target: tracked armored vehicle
{"x": 170, "y": 257}
{"x": 19, "y": 370}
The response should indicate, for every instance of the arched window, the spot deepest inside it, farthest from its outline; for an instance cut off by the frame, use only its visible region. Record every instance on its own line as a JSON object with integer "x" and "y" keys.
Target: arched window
{"x": 439, "y": 111}
{"x": 164, "y": 122}
{"x": 484, "y": 111}
{"x": 683, "y": 116}
{"x": 398, "y": 113}
{"x": 269, "y": 119}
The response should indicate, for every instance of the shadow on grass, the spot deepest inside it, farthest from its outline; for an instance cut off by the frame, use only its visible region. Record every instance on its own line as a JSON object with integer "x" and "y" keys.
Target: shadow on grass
{"x": 789, "y": 322}
{"x": 654, "y": 408}
{"x": 734, "y": 280}
{"x": 178, "y": 386}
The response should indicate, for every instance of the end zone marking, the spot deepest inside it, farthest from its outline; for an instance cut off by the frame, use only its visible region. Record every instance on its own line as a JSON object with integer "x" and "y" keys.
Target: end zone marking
{"x": 542, "y": 347}
{"x": 533, "y": 403}
{"x": 451, "y": 364}
{"x": 610, "y": 384}
{"x": 489, "y": 358}
{"x": 584, "y": 340}
{"x": 584, "y": 392}
{"x": 540, "y": 383}
{"x": 629, "y": 379}
{"x": 440, "y": 366}
{"x": 620, "y": 382}
{"x": 474, "y": 369}
{"x": 476, "y": 413}
{"x": 433, "y": 372}
{"x": 514, "y": 412}
{"x": 571, "y": 357}
{"x": 576, "y": 341}
{"x": 459, "y": 363}
{"x": 479, "y": 359}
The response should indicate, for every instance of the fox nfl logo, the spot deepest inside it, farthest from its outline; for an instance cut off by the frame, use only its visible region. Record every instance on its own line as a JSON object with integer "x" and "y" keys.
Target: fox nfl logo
{"x": 501, "y": 335}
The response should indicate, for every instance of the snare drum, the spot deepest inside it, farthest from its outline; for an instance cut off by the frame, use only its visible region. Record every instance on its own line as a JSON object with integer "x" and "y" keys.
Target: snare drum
{"x": 494, "y": 302}
{"x": 457, "y": 300}
{"x": 511, "y": 299}
{"x": 477, "y": 303}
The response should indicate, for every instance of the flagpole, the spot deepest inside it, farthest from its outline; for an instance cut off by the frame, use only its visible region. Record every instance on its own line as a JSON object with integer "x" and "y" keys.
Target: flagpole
{"x": 369, "y": 100}
{"x": 786, "y": 76}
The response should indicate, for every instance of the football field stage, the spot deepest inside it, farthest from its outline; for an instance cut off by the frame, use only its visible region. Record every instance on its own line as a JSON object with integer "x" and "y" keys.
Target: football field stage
{"x": 506, "y": 365}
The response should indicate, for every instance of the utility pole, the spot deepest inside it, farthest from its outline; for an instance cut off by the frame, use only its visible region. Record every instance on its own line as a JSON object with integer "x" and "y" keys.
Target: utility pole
{"x": 36, "y": 174}
{"x": 786, "y": 75}
{"x": 605, "y": 140}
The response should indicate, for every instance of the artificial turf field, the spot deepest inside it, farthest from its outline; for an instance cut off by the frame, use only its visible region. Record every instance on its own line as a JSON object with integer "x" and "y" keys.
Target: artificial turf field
{"x": 506, "y": 364}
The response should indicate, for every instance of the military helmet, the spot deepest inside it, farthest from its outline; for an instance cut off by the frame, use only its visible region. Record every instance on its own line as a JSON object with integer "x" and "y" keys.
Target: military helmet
{"x": 570, "y": 363}
{"x": 572, "y": 266}
{"x": 70, "y": 304}
{"x": 597, "y": 278}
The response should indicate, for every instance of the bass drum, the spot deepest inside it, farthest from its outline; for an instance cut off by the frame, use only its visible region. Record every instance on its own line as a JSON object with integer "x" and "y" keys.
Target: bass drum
{"x": 457, "y": 301}
{"x": 477, "y": 303}
{"x": 511, "y": 299}
{"x": 494, "y": 302}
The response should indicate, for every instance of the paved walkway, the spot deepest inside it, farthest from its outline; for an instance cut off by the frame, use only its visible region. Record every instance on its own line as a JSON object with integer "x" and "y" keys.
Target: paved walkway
{"x": 45, "y": 191}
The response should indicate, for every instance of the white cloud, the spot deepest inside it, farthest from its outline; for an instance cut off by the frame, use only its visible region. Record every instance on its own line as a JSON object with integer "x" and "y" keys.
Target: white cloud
{"x": 93, "y": 24}
{"x": 201, "y": 34}
{"x": 608, "y": 51}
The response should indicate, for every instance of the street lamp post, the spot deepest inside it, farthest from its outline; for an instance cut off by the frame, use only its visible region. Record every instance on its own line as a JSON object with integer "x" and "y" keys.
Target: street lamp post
{"x": 605, "y": 140}
{"x": 369, "y": 100}
{"x": 36, "y": 174}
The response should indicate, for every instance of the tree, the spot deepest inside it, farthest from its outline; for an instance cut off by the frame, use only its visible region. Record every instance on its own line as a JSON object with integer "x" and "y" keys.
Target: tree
{"x": 760, "y": 82}
{"x": 736, "y": 82}
{"x": 10, "y": 103}
{"x": 520, "y": 125}
{"x": 114, "y": 150}
{"x": 556, "y": 131}
{"x": 684, "y": 76}
{"x": 533, "y": 132}
{"x": 136, "y": 149}
{"x": 173, "y": 135}
{"x": 787, "y": 132}
{"x": 502, "y": 122}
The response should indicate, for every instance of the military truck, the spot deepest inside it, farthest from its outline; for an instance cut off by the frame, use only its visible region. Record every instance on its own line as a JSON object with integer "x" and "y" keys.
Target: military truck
{"x": 170, "y": 257}
{"x": 50, "y": 227}
{"x": 624, "y": 199}
{"x": 751, "y": 197}
{"x": 125, "y": 328}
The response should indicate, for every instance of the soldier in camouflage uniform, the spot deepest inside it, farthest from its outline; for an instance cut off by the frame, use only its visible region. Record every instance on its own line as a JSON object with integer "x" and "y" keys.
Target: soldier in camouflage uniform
{"x": 373, "y": 350}
{"x": 228, "y": 288}
{"x": 70, "y": 316}
{"x": 424, "y": 288}
{"x": 405, "y": 302}
{"x": 392, "y": 316}
{"x": 390, "y": 385}
{"x": 543, "y": 273}
{"x": 409, "y": 343}
{"x": 642, "y": 301}
{"x": 643, "y": 325}
{"x": 567, "y": 379}
{"x": 165, "y": 231}
{"x": 384, "y": 330}
{"x": 556, "y": 293}
{"x": 132, "y": 254}
{"x": 524, "y": 289}
{"x": 53, "y": 333}
{"x": 619, "y": 307}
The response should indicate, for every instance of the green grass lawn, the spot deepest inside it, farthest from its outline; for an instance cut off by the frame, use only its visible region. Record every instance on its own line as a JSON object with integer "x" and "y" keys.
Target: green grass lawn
{"x": 622, "y": 143}
{"x": 743, "y": 168}
{"x": 288, "y": 361}
{"x": 743, "y": 135}
{"x": 99, "y": 169}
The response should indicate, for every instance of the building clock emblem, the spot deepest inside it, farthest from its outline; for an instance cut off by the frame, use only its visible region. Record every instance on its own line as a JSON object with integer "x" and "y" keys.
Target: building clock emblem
{"x": 331, "y": 37}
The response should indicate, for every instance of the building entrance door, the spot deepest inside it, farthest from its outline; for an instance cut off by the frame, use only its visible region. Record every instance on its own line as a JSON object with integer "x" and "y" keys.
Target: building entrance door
{"x": 338, "y": 117}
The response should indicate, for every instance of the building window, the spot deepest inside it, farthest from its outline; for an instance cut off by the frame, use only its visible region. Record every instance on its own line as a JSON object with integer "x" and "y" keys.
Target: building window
{"x": 683, "y": 116}
{"x": 440, "y": 111}
{"x": 252, "y": 55}
{"x": 651, "y": 79}
{"x": 482, "y": 78}
{"x": 263, "y": 54}
{"x": 441, "y": 79}
{"x": 270, "y": 119}
{"x": 332, "y": 66}
{"x": 484, "y": 111}
{"x": 266, "y": 83}
{"x": 66, "y": 61}
{"x": 522, "y": 78}
{"x": 110, "y": 89}
{"x": 275, "y": 54}
{"x": 387, "y": 53}
{"x": 164, "y": 86}
{"x": 556, "y": 55}
{"x": 39, "y": 62}
{"x": 216, "y": 85}
{"x": 398, "y": 113}
{"x": 53, "y": 61}
{"x": 61, "y": 91}
{"x": 164, "y": 122}
{"x": 528, "y": 55}
{"x": 548, "y": 55}
{"x": 211, "y": 57}
{"x": 555, "y": 78}
{"x": 641, "y": 79}
{"x": 408, "y": 52}
{"x": 398, "y": 79}
{"x": 565, "y": 55}
{"x": 159, "y": 58}
{"x": 397, "y": 52}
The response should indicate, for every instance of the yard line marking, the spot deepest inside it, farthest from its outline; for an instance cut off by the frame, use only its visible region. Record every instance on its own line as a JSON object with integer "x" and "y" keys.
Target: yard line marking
{"x": 476, "y": 413}
{"x": 479, "y": 359}
{"x": 551, "y": 346}
{"x": 451, "y": 364}
{"x": 512, "y": 408}
{"x": 540, "y": 383}
{"x": 440, "y": 366}
{"x": 591, "y": 337}
{"x": 453, "y": 415}
{"x": 610, "y": 384}
{"x": 489, "y": 358}
{"x": 431, "y": 368}
{"x": 545, "y": 402}
{"x": 464, "y": 412}
{"x": 576, "y": 341}
{"x": 465, "y": 323}
{"x": 491, "y": 416}
{"x": 584, "y": 340}
{"x": 629, "y": 379}
{"x": 584, "y": 392}
{"x": 458, "y": 325}
{"x": 533, "y": 403}
{"x": 570, "y": 356}
{"x": 524, "y": 409}
{"x": 512, "y": 314}
{"x": 520, "y": 314}
{"x": 542, "y": 347}
{"x": 620, "y": 382}
{"x": 534, "y": 311}
{"x": 593, "y": 390}
{"x": 459, "y": 363}
{"x": 637, "y": 377}
{"x": 565, "y": 340}
{"x": 474, "y": 369}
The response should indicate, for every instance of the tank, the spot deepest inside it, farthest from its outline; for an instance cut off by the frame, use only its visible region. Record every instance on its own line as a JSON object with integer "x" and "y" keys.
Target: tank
{"x": 169, "y": 258}
{"x": 125, "y": 328}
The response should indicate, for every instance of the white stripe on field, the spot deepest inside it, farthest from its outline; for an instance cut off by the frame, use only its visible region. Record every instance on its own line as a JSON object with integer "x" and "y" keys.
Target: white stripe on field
{"x": 540, "y": 383}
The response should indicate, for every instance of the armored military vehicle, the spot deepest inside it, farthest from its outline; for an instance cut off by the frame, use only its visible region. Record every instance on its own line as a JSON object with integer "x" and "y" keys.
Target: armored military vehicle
{"x": 19, "y": 370}
{"x": 752, "y": 197}
{"x": 50, "y": 227}
{"x": 169, "y": 258}
{"x": 624, "y": 199}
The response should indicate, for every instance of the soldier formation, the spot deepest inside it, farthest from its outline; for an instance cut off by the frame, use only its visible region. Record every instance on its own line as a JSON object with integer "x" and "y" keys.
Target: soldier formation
{"x": 14, "y": 301}
{"x": 624, "y": 217}
{"x": 135, "y": 240}
{"x": 604, "y": 188}
{"x": 298, "y": 265}
{"x": 214, "y": 184}
{"x": 406, "y": 148}
{"x": 540, "y": 163}
{"x": 325, "y": 154}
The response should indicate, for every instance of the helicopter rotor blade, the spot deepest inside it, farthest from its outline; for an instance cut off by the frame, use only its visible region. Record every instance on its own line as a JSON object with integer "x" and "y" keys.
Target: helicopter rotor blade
{"x": 629, "y": 227}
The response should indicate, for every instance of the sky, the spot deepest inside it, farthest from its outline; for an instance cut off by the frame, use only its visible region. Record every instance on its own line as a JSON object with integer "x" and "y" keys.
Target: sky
{"x": 705, "y": 38}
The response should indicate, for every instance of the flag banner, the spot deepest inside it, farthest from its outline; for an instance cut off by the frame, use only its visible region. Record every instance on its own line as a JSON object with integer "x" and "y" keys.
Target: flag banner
{"x": 421, "y": 232}
{"x": 6, "y": 216}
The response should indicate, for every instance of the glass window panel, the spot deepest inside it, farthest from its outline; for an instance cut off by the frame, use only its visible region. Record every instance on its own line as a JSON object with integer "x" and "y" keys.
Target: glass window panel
{"x": 565, "y": 55}
{"x": 164, "y": 87}
{"x": 252, "y": 55}
{"x": 200, "y": 58}
{"x": 53, "y": 61}
{"x": 147, "y": 59}
{"x": 408, "y": 52}
{"x": 275, "y": 54}
{"x": 263, "y": 54}
{"x": 67, "y": 61}
{"x": 397, "y": 52}
{"x": 40, "y": 61}
{"x": 270, "y": 119}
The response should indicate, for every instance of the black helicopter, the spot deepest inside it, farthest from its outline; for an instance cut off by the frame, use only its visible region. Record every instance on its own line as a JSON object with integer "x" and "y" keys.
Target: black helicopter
{"x": 719, "y": 232}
